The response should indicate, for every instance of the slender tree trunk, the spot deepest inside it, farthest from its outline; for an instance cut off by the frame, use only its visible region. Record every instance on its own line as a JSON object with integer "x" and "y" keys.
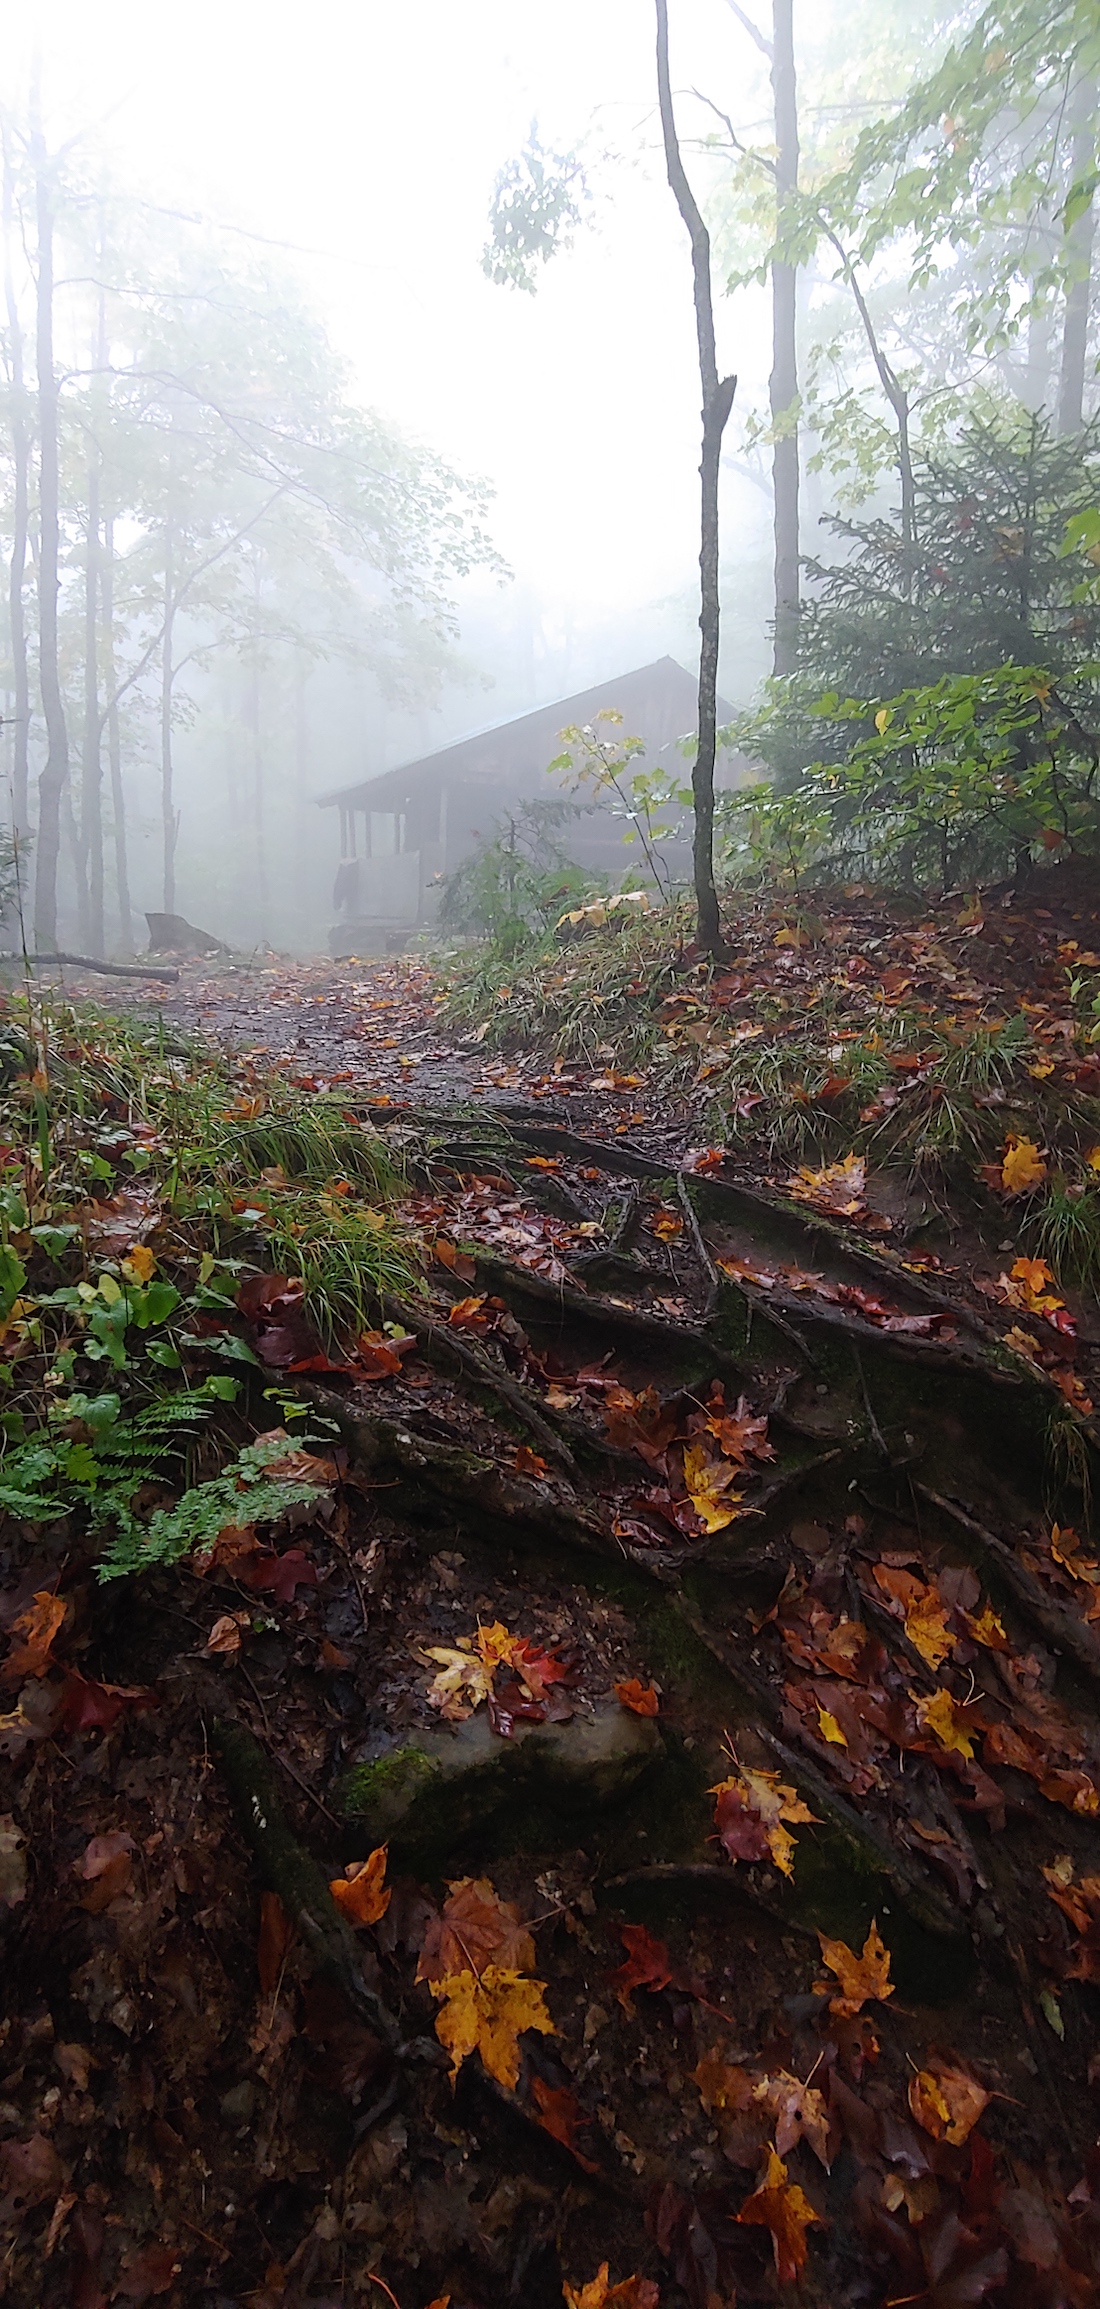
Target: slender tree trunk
{"x": 169, "y": 823}
{"x": 114, "y": 742}
{"x": 258, "y": 826}
{"x": 783, "y": 384}
{"x": 91, "y": 779}
{"x": 20, "y": 451}
{"x": 54, "y": 776}
{"x": 1075, "y": 331}
{"x": 717, "y": 403}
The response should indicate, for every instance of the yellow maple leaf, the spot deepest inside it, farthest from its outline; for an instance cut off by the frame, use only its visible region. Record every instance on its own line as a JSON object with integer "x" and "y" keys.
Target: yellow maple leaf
{"x": 942, "y": 1715}
{"x": 1093, "y": 1158}
{"x": 1022, "y": 1166}
{"x": 139, "y": 1264}
{"x": 860, "y": 1977}
{"x": 829, "y": 1728}
{"x": 1026, "y": 1286}
{"x": 488, "y": 2015}
{"x": 461, "y": 1685}
{"x": 838, "y": 1187}
{"x": 927, "y": 1629}
{"x": 708, "y": 1484}
{"x": 988, "y": 1628}
{"x": 1021, "y": 1343}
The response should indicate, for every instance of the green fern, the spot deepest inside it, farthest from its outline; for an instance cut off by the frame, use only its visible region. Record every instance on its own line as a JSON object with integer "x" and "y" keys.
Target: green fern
{"x": 242, "y": 1494}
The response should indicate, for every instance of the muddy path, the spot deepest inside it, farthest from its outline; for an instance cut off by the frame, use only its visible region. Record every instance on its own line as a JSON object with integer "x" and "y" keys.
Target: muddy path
{"x": 701, "y": 1615}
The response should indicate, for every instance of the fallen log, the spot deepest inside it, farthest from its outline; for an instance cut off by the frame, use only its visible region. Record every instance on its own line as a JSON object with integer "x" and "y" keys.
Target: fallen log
{"x": 89, "y": 962}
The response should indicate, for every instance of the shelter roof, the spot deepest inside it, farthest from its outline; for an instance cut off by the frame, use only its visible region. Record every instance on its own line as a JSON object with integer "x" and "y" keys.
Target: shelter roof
{"x": 520, "y": 741}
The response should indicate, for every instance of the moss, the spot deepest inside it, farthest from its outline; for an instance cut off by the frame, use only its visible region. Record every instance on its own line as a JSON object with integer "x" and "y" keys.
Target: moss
{"x": 381, "y": 1791}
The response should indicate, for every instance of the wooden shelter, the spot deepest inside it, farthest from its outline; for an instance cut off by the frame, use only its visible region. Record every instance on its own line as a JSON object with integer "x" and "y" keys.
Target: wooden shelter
{"x": 403, "y": 831}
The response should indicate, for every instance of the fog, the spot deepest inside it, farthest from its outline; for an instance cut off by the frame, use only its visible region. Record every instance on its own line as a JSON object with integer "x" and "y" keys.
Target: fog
{"x": 351, "y": 151}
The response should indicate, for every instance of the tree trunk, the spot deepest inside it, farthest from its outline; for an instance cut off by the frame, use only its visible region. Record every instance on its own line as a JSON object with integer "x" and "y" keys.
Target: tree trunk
{"x": 717, "y": 403}
{"x": 114, "y": 742}
{"x": 20, "y": 452}
{"x": 1075, "y": 331}
{"x": 169, "y": 823}
{"x": 91, "y": 779}
{"x": 258, "y": 827}
{"x": 53, "y": 778}
{"x": 783, "y": 384}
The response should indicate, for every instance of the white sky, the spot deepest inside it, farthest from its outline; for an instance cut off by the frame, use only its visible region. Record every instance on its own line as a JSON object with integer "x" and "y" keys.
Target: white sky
{"x": 371, "y": 132}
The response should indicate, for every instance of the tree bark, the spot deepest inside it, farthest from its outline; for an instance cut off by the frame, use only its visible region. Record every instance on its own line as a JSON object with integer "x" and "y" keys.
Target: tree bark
{"x": 717, "y": 403}
{"x": 114, "y": 743}
{"x": 20, "y": 451}
{"x": 91, "y": 778}
{"x": 783, "y": 383}
{"x": 1075, "y": 330}
{"x": 54, "y": 776}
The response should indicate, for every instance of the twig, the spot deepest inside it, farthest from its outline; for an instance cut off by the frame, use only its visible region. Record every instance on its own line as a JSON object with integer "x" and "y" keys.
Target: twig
{"x": 701, "y": 1247}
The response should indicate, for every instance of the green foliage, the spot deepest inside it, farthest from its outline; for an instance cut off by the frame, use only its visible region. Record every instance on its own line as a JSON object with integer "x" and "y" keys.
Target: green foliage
{"x": 539, "y": 200}
{"x": 598, "y": 763}
{"x": 243, "y": 1494}
{"x": 944, "y": 786}
{"x": 513, "y": 887}
{"x": 96, "y": 1454}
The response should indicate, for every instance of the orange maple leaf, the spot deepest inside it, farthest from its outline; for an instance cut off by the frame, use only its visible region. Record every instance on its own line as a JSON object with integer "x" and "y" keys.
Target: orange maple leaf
{"x": 946, "y": 2102}
{"x": 37, "y": 1626}
{"x": 749, "y": 1816}
{"x": 785, "y": 2209}
{"x": 860, "y": 1977}
{"x": 838, "y": 1187}
{"x": 641, "y": 1699}
{"x": 361, "y": 1895}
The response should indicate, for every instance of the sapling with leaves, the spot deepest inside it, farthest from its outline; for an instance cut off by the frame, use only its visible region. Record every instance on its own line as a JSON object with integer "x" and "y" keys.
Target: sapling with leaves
{"x": 596, "y": 761}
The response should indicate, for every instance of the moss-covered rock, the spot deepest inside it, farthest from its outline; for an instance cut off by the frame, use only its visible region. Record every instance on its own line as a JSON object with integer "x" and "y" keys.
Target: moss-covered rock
{"x": 437, "y": 1792}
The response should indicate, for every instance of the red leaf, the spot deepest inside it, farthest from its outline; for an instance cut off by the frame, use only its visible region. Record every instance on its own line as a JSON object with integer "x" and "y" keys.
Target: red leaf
{"x": 92, "y": 1707}
{"x": 647, "y": 1965}
{"x": 278, "y": 1575}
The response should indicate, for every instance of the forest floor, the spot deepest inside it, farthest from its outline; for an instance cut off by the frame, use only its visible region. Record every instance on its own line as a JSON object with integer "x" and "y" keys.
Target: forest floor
{"x": 691, "y": 1589}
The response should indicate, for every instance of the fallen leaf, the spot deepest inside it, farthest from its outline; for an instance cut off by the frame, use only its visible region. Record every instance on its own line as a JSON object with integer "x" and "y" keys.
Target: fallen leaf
{"x": 488, "y": 2013}
{"x": 946, "y": 2102}
{"x": 708, "y": 1484}
{"x": 647, "y": 1964}
{"x": 749, "y": 1816}
{"x": 275, "y": 1942}
{"x": 106, "y": 1865}
{"x": 943, "y": 1716}
{"x": 722, "y": 2086}
{"x": 839, "y": 1188}
{"x": 13, "y": 1863}
{"x": 785, "y": 2209}
{"x": 560, "y": 2116}
{"x": 797, "y": 2111}
{"x": 528, "y": 1462}
{"x": 640, "y": 1699}
{"x": 860, "y": 1977}
{"x": 451, "y": 1257}
{"x": 360, "y": 1893}
{"x": 475, "y": 1929}
{"x": 91, "y": 1707}
{"x": 599, "y": 2293}
{"x": 225, "y": 1635}
{"x": 38, "y": 1627}
{"x": 1022, "y": 1166}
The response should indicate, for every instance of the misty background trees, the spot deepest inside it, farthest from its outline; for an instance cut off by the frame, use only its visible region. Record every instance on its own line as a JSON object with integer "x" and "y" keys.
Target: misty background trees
{"x": 199, "y": 514}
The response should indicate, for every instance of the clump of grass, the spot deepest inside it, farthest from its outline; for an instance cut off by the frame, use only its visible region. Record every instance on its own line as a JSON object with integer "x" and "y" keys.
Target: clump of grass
{"x": 325, "y": 1209}
{"x": 571, "y": 1001}
{"x": 1067, "y": 1232}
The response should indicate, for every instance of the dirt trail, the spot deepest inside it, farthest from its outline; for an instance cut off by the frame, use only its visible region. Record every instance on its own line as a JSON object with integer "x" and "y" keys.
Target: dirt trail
{"x": 685, "y": 1487}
